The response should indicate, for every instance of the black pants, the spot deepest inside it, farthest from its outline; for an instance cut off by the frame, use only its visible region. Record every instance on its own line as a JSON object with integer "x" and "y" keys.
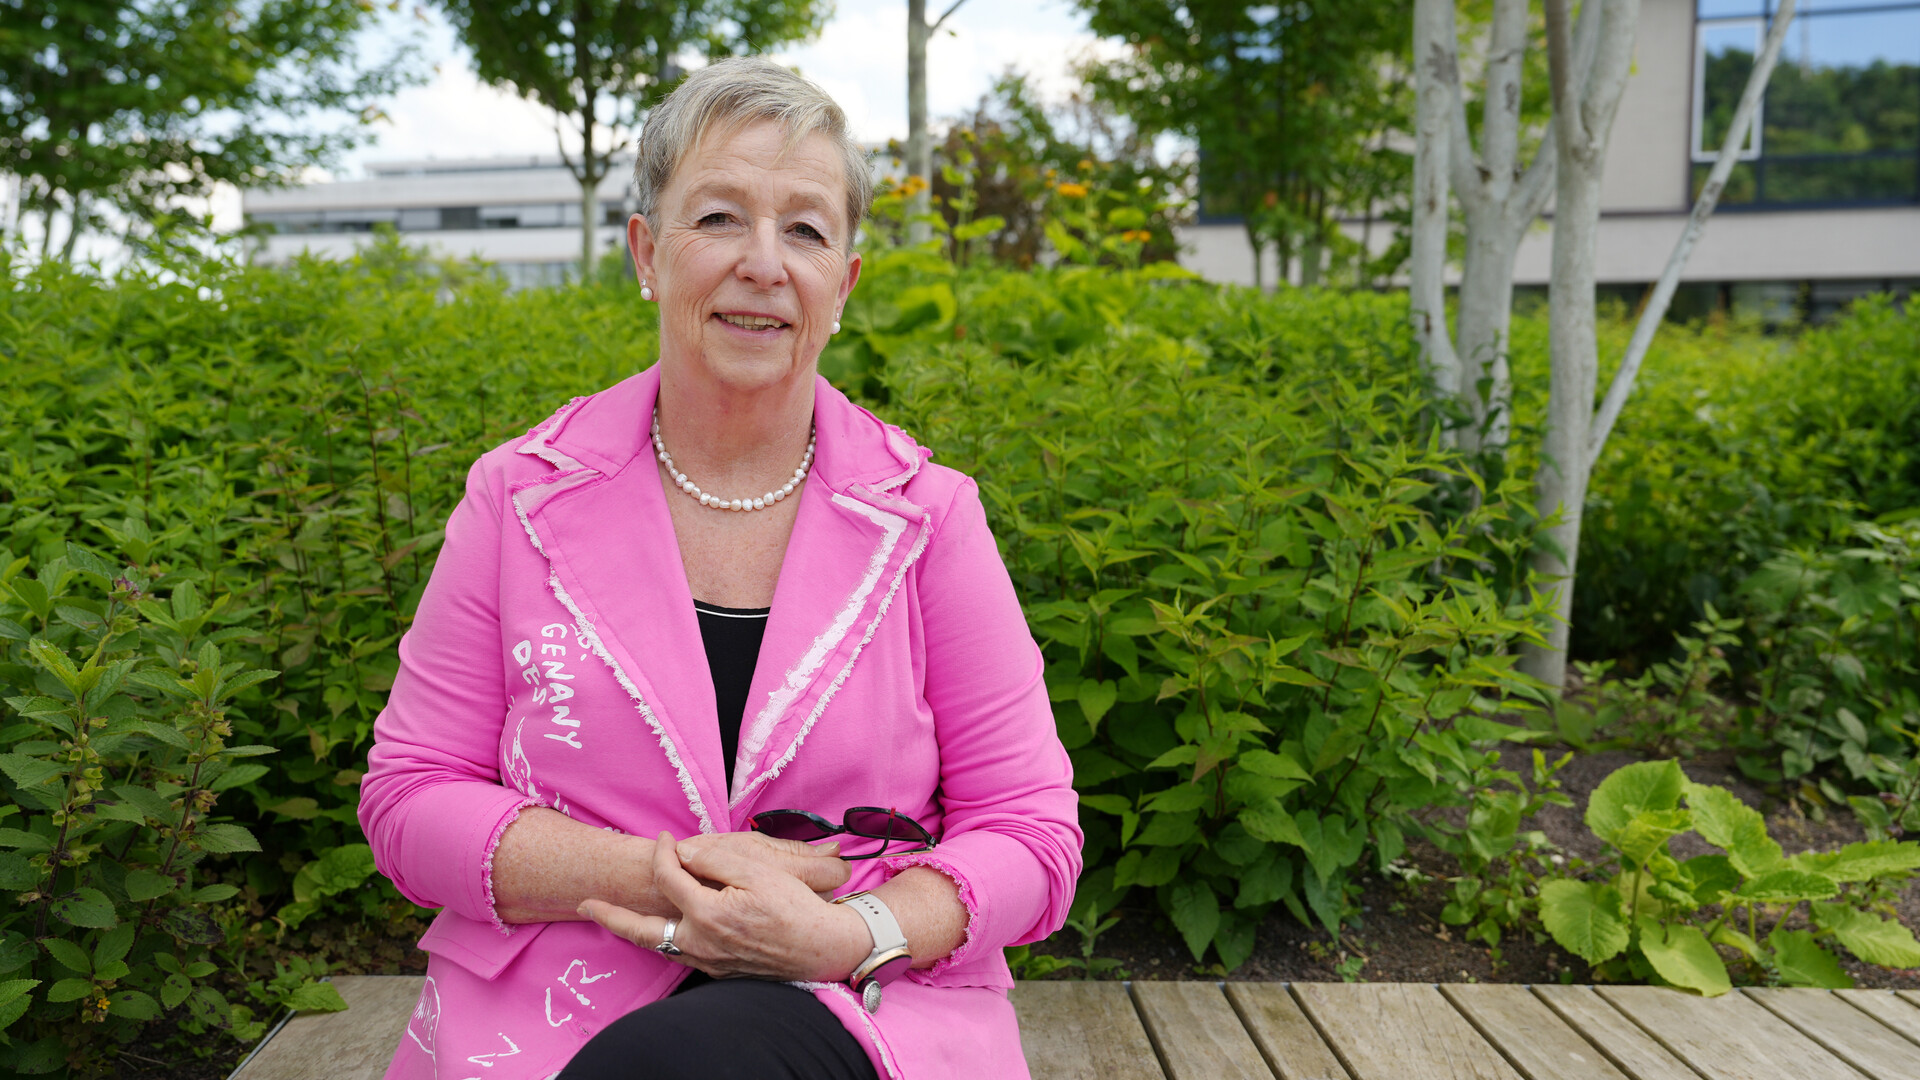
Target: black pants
{"x": 724, "y": 1029}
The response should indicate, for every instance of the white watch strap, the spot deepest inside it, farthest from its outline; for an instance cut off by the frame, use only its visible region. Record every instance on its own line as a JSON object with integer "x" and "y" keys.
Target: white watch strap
{"x": 880, "y": 922}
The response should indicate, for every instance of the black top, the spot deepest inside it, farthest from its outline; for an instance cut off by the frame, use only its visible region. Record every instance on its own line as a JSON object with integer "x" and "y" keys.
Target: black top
{"x": 732, "y": 639}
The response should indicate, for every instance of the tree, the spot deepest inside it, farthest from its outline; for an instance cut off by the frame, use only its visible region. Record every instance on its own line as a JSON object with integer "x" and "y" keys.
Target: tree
{"x": 132, "y": 105}
{"x": 601, "y": 64}
{"x": 919, "y": 145}
{"x": 1499, "y": 197}
{"x": 1288, "y": 104}
{"x": 1588, "y": 73}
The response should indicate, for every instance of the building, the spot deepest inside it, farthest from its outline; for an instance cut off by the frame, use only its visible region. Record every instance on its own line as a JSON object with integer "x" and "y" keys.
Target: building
{"x": 521, "y": 214}
{"x": 1825, "y": 204}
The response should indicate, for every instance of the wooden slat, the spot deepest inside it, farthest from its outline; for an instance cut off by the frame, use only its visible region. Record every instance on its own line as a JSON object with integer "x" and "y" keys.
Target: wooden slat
{"x": 1283, "y": 1033}
{"x": 1198, "y": 1034}
{"x": 1909, "y": 997}
{"x": 1397, "y": 1031}
{"x": 353, "y": 1045}
{"x": 1534, "y": 1039}
{"x": 1082, "y": 1031}
{"x": 1886, "y": 1007}
{"x": 1845, "y": 1032}
{"x": 1630, "y": 1049}
{"x": 1726, "y": 1038}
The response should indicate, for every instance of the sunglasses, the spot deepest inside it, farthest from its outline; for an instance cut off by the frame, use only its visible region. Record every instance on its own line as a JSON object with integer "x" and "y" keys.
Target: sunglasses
{"x": 870, "y": 822}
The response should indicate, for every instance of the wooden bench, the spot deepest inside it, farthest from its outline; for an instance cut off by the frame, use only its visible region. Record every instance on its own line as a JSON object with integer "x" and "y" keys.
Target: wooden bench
{"x": 1325, "y": 1031}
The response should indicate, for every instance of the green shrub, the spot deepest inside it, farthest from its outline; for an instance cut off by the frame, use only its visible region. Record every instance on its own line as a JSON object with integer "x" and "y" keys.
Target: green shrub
{"x": 1649, "y": 917}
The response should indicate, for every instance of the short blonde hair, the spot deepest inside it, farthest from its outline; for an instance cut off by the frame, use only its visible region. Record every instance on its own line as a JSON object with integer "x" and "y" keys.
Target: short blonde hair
{"x": 726, "y": 96}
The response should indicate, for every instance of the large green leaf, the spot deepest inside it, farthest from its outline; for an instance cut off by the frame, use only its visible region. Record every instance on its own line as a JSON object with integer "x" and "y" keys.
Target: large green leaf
{"x": 1647, "y": 833}
{"x": 1802, "y": 962}
{"x": 1861, "y": 862}
{"x": 1869, "y": 937}
{"x": 1788, "y": 887}
{"x": 1631, "y": 789}
{"x": 1584, "y": 918}
{"x": 1196, "y": 914}
{"x": 1734, "y": 827}
{"x": 84, "y": 907}
{"x": 1682, "y": 956}
{"x": 1268, "y": 820}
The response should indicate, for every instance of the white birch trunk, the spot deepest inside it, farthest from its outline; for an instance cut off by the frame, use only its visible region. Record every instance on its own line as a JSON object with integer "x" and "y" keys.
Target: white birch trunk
{"x": 1586, "y": 93}
{"x": 1436, "y": 75}
{"x": 919, "y": 150}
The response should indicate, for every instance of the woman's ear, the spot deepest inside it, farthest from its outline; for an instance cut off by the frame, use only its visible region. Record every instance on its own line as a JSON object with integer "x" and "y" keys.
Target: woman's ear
{"x": 640, "y": 248}
{"x": 853, "y": 277}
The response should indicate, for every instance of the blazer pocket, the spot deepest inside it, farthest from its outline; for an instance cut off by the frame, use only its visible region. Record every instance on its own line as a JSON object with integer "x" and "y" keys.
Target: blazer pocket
{"x": 476, "y": 946}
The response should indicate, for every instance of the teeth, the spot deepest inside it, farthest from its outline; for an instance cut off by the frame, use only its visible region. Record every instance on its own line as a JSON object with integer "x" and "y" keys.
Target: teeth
{"x": 752, "y": 322}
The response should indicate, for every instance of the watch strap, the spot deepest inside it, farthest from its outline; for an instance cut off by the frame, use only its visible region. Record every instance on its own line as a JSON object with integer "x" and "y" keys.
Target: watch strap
{"x": 888, "y": 941}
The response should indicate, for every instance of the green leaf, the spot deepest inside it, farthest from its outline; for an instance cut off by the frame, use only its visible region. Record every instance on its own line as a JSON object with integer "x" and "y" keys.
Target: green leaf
{"x": 1196, "y": 914}
{"x": 316, "y": 997}
{"x": 25, "y": 841}
{"x": 1683, "y": 957}
{"x": 84, "y": 907}
{"x": 237, "y": 776}
{"x": 112, "y": 946}
{"x": 1330, "y": 843}
{"x": 144, "y": 885}
{"x": 1278, "y": 766}
{"x": 1179, "y": 798}
{"x": 223, "y": 839}
{"x": 1862, "y": 861}
{"x": 1712, "y": 876}
{"x": 213, "y": 894}
{"x": 13, "y": 988}
{"x": 1269, "y": 821}
{"x": 1875, "y": 940}
{"x": 1168, "y": 830}
{"x": 1734, "y": 827}
{"x": 132, "y": 1004}
{"x": 1788, "y": 887}
{"x": 175, "y": 990}
{"x": 1267, "y": 880}
{"x": 1631, "y": 789}
{"x": 1802, "y": 962}
{"x": 71, "y": 956}
{"x": 16, "y": 873}
{"x": 1107, "y": 804}
{"x": 1096, "y": 697}
{"x": 1584, "y": 918}
{"x": 1648, "y": 833}
{"x": 69, "y": 990}
{"x": 27, "y": 771}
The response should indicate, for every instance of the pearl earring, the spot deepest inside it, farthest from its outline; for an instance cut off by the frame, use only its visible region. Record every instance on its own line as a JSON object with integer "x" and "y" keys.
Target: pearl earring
{"x": 645, "y": 293}
{"x": 836, "y": 326}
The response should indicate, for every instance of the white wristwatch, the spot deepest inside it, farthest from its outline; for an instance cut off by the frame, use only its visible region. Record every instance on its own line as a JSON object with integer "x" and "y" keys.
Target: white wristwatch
{"x": 889, "y": 959}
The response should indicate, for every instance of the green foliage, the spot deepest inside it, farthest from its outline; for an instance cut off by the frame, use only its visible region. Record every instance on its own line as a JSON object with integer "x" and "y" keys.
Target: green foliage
{"x": 1645, "y": 915}
{"x": 1495, "y": 889}
{"x": 116, "y": 103}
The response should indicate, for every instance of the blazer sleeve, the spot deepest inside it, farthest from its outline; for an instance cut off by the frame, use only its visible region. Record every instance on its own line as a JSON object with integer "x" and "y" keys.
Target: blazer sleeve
{"x": 432, "y": 803}
{"x": 1010, "y": 815}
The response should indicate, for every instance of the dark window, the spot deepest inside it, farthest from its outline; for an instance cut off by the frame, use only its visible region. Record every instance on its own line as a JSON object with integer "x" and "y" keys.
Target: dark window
{"x": 1840, "y": 123}
{"x": 459, "y": 217}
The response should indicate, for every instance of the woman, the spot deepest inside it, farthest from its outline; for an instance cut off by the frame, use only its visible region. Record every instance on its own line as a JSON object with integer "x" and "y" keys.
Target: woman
{"x": 712, "y": 606}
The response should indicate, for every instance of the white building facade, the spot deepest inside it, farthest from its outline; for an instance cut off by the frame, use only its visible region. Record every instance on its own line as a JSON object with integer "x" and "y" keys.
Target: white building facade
{"x": 521, "y": 214}
{"x": 1825, "y": 204}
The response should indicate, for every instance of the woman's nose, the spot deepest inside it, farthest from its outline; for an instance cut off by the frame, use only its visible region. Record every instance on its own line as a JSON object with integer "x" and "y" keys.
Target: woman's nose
{"x": 760, "y": 261}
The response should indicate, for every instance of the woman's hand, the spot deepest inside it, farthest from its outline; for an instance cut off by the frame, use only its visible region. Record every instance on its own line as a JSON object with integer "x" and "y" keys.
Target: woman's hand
{"x": 814, "y": 864}
{"x": 760, "y": 922}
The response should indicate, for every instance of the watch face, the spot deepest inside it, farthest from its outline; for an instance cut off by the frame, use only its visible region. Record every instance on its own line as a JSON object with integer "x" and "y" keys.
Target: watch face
{"x": 893, "y": 968}
{"x": 870, "y": 996}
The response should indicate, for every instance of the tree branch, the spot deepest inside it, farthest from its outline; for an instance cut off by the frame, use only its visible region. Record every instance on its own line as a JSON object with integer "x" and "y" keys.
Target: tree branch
{"x": 1560, "y": 74}
{"x": 1536, "y": 184}
{"x": 951, "y": 8}
{"x": 1703, "y": 206}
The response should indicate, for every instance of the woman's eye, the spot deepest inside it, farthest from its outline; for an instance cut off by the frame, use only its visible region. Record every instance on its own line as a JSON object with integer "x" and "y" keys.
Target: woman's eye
{"x": 718, "y": 217}
{"x": 808, "y": 231}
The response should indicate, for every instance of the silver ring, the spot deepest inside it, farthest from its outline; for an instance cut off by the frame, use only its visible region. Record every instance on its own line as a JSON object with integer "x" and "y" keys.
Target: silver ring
{"x": 666, "y": 946}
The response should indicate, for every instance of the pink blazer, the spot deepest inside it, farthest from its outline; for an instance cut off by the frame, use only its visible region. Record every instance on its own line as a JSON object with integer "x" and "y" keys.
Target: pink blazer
{"x": 556, "y": 661}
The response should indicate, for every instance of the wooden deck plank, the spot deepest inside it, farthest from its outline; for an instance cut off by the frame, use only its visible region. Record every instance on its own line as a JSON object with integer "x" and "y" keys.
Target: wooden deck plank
{"x": 1397, "y": 1031}
{"x": 1726, "y": 1038}
{"x": 1630, "y": 1049}
{"x": 1845, "y": 1032}
{"x": 1198, "y": 1034}
{"x": 1886, "y": 1007}
{"x": 1909, "y": 997}
{"x": 1533, "y": 1037}
{"x": 353, "y": 1045}
{"x": 1283, "y": 1033}
{"x": 1082, "y": 1031}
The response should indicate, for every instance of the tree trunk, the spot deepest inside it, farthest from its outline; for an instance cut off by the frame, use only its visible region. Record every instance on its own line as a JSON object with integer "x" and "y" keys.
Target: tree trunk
{"x": 1435, "y": 75}
{"x": 1586, "y": 93}
{"x": 1485, "y": 310}
{"x": 589, "y": 220}
{"x": 919, "y": 149}
{"x": 76, "y": 223}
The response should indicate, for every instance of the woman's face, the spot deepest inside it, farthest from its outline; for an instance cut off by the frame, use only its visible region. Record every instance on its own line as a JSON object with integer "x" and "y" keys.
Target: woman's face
{"x": 747, "y": 255}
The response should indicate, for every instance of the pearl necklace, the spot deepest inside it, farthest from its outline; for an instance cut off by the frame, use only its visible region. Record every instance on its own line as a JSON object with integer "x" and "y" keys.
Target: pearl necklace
{"x": 693, "y": 491}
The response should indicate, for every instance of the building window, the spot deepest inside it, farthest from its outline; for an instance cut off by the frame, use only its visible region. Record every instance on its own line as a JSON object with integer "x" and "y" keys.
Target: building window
{"x": 1840, "y": 122}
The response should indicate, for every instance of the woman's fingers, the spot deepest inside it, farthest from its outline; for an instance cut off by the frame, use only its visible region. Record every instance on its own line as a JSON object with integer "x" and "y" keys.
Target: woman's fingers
{"x": 643, "y": 930}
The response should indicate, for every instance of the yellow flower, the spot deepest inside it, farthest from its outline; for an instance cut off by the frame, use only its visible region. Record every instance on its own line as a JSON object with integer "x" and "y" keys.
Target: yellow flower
{"x": 1138, "y": 236}
{"x": 1086, "y": 165}
{"x": 1072, "y": 191}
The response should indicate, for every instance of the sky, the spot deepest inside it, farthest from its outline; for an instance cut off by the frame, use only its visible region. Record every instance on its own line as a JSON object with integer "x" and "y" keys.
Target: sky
{"x": 860, "y": 58}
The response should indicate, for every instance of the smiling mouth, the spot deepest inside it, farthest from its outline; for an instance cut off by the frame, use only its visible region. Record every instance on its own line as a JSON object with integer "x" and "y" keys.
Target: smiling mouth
{"x": 752, "y": 322}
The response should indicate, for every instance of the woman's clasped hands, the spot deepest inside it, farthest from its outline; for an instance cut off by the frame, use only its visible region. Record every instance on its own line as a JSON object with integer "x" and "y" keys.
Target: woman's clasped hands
{"x": 740, "y": 916}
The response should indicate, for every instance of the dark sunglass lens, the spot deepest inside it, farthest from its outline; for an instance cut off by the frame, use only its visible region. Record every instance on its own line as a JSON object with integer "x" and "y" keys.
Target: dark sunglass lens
{"x": 791, "y": 826}
{"x": 884, "y": 826}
